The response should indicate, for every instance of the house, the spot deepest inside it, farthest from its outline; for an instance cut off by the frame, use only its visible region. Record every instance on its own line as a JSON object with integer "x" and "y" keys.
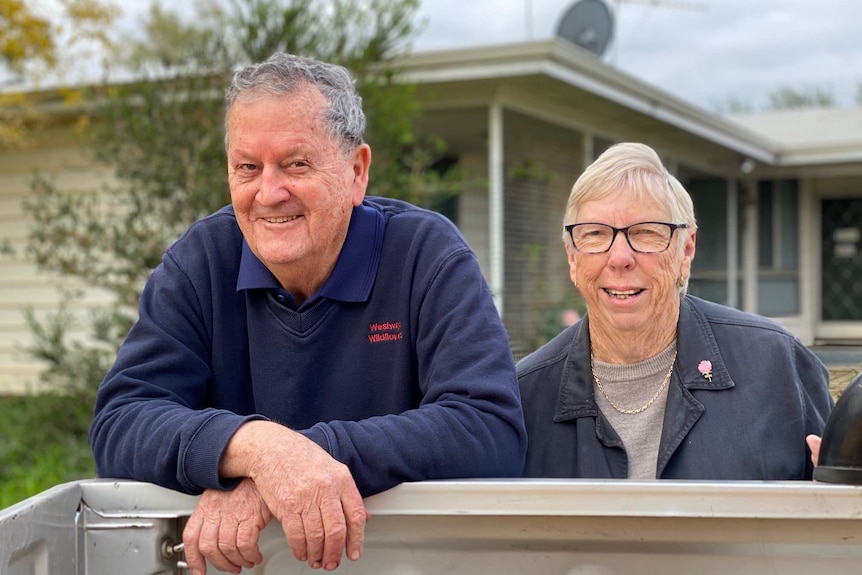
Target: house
{"x": 778, "y": 196}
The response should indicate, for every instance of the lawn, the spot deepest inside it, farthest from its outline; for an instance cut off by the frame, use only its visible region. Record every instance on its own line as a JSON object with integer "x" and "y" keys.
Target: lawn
{"x": 44, "y": 443}
{"x": 840, "y": 378}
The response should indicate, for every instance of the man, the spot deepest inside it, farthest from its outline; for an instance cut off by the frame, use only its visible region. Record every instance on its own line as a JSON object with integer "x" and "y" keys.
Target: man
{"x": 307, "y": 346}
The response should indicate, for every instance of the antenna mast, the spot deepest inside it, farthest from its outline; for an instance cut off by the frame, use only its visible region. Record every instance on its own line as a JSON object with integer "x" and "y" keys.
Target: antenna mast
{"x": 679, "y": 4}
{"x": 675, "y": 4}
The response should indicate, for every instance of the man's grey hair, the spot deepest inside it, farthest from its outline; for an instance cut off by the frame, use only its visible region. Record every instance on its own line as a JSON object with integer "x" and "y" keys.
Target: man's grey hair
{"x": 283, "y": 74}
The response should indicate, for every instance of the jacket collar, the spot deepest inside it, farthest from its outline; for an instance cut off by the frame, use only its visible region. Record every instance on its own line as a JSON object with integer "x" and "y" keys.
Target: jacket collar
{"x": 695, "y": 343}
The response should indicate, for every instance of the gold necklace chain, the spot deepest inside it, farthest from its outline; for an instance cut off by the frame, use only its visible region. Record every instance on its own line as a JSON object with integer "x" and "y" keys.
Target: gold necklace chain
{"x": 642, "y": 408}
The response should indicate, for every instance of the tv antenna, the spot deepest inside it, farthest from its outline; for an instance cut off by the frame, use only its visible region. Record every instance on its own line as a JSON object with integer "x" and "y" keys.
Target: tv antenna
{"x": 680, "y": 4}
{"x": 590, "y": 23}
{"x": 675, "y": 4}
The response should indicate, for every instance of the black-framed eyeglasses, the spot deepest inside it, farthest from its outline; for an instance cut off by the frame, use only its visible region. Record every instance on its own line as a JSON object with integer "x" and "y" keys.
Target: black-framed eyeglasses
{"x": 643, "y": 237}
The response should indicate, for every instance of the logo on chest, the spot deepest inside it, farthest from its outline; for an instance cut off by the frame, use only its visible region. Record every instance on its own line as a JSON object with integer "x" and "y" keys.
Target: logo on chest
{"x": 383, "y": 332}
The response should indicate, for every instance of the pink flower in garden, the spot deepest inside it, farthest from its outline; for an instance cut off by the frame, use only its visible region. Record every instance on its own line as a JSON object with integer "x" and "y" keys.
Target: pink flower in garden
{"x": 569, "y": 317}
{"x": 705, "y": 367}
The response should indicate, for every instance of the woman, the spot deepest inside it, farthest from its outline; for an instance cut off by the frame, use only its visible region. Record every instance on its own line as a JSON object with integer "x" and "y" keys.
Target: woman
{"x": 654, "y": 383}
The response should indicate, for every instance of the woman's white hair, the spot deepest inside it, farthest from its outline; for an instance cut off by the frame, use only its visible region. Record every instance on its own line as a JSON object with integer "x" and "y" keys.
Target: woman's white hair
{"x": 636, "y": 167}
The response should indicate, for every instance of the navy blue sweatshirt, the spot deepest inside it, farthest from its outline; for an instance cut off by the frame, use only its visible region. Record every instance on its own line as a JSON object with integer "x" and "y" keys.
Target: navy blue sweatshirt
{"x": 399, "y": 366}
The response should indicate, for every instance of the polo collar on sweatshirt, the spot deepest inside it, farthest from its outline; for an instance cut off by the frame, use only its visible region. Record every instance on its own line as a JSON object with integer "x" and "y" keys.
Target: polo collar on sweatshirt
{"x": 355, "y": 270}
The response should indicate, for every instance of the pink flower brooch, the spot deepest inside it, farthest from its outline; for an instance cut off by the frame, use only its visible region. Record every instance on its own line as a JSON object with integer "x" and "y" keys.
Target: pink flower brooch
{"x": 705, "y": 367}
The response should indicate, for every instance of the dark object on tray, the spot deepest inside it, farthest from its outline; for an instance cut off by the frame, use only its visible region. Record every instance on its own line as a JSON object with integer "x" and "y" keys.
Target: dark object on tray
{"x": 841, "y": 449}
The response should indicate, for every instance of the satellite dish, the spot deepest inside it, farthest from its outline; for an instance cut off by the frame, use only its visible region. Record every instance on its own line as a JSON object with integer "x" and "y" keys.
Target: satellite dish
{"x": 588, "y": 24}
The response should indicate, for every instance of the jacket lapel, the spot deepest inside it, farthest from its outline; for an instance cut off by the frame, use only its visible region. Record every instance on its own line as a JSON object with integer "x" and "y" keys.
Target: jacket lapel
{"x": 695, "y": 344}
{"x": 576, "y": 388}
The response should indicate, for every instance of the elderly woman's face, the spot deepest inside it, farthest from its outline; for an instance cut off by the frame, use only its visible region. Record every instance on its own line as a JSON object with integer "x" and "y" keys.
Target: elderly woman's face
{"x": 625, "y": 290}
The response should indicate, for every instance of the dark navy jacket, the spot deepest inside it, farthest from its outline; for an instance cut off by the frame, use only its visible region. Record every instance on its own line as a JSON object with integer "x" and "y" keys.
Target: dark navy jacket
{"x": 768, "y": 392}
{"x": 399, "y": 367}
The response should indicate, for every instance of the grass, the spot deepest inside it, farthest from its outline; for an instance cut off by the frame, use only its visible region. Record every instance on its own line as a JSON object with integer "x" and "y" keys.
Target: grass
{"x": 840, "y": 378}
{"x": 45, "y": 439}
{"x": 44, "y": 443}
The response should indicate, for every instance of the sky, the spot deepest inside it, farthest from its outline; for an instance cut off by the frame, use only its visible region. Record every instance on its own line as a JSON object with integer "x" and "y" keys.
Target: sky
{"x": 706, "y": 52}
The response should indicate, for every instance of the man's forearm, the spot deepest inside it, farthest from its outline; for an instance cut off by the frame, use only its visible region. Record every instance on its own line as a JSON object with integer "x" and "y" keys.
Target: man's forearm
{"x": 244, "y": 448}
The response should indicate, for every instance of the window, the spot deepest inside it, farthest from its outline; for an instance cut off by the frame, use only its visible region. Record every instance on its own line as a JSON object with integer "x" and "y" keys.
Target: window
{"x": 778, "y": 248}
{"x": 777, "y": 245}
{"x": 709, "y": 268}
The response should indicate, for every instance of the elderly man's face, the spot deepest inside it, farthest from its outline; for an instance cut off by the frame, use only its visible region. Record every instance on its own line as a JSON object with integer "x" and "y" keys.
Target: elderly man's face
{"x": 624, "y": 290}
{"x": 292, "y": 187}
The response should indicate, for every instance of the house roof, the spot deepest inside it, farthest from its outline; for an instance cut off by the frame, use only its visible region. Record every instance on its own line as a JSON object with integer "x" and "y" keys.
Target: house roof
{"x": 779, "y": 139}
{"x": 811, "y": 136}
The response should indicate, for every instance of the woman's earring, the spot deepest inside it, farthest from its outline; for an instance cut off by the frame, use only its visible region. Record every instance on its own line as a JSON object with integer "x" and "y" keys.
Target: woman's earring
{"x": 681, "y": 281}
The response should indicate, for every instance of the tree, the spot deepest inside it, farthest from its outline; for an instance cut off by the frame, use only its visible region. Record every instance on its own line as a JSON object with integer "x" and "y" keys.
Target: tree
{"x": 24, "y": 36}
{"x": 732, "y": 105}
{"x": 784, "y": 98}
{"x": 30, "y": 38}
{"x": 792, "y": 98}
{"x": 163, "y": 136}
{"x": 33, "y": 47}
